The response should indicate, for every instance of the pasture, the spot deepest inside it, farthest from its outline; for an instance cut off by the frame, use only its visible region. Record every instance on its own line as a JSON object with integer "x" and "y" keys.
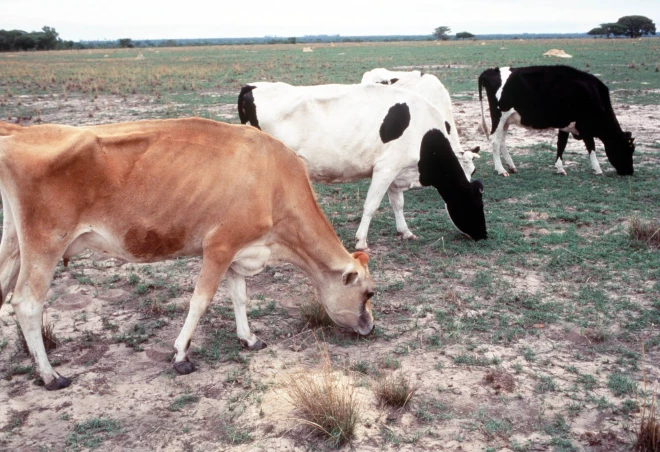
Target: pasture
{"x": 544, "y": 337}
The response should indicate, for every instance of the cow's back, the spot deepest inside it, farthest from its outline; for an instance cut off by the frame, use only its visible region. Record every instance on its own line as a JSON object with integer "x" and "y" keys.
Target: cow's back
{"x": 337, "y": 128}
{"x": 155, "y": 187}
{"x": 545, "y": 96}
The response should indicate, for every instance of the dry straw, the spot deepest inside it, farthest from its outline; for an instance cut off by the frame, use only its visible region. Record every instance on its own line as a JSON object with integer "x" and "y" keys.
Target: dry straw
{"x": 326, "y": 401}
{"x": 645, "y": 232}
{"x": 648, "y": 435}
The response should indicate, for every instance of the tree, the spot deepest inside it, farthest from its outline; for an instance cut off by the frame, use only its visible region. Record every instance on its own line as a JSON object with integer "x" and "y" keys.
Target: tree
{"x": 126, "y": 43}
{"x": 47, "y": 39}
{"x": 442, "y": 33}
{"x": 613, "y": 29}
{"x": 636, "y": 26}
{"x": 464, "y": 35}
{"x": 598, "y": 31}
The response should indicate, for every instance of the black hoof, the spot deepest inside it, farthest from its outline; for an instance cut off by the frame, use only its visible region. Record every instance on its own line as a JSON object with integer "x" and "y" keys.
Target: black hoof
{"x": 256, "y": 347}
{"x": 184, "y": 367}
{"x": 58, "y": 383}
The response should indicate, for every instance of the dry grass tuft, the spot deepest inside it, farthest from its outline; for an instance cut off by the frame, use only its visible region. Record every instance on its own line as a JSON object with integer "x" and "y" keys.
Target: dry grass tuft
{"x": 646, "y": 232}
{"x": 314, "y": 314}
{"x": 394, "y": 390}
{"x": 326, "y": 401}
{"x": 648, "y": 436}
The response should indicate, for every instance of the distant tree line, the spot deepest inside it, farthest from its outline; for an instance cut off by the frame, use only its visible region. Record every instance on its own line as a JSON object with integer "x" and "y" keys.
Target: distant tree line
{"x": 46, "y": 39}
{"x": 630, "y": 26}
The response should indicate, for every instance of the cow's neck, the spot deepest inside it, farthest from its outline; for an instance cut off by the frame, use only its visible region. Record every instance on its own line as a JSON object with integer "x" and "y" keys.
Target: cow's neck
{"x": 310, "y": 243}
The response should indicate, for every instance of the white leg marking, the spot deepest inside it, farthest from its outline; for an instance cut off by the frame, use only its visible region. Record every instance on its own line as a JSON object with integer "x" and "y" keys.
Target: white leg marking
{"x": 396, "y": 201}
{"x": 594, "y": 163}
{"x": 505, "y": 154}
{"x": 381, "y": 180}
{"x": 497, "y": 140}
{"x": 560, "y": 167}
{"x": 207, "y": 285}
{"x": 238, "y": 294}
{"x": 27, "y": 302}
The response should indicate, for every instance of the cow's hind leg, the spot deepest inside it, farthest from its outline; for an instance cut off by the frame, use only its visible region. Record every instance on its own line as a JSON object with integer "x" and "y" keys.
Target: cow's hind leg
{"x": 591, "y": 147}
{"x": 396, "y": 201}
{"x": 238, "y": 294}
{"x": 497, "y": 141}
{"x": 10, "y": 263}
{"x": 214, "y": 265}
{"x": 380, "y": 181}
{"x": 34, "y": 279}
{"x": 562, "y": 139}
{"x": 505, "y": 152}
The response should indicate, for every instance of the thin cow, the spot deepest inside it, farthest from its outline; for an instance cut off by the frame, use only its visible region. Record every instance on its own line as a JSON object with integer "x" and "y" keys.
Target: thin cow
{"x": 352, "y": 132}
{"x": 558, "y": 97}
{"x": 154, "y": 190}
{"x": 426, "y": 85}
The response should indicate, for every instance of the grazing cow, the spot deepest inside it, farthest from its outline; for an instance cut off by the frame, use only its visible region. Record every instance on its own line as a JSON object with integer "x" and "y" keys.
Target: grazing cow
{"x": 154, "y": 190}
{"x": 351, "y": 132}
{"x": 557, "y": 97}
{"x": 426, "y": 85}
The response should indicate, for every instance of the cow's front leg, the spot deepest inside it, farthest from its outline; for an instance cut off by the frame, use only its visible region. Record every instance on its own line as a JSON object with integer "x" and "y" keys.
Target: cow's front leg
{"x": 238, "y": 294}
{"x": 380, "y": 181}
{"x": 214, "y": 266}
{"x": 591, "y": 147}
{"x": 562, "y": 139}
{"x": 396, "y": 201}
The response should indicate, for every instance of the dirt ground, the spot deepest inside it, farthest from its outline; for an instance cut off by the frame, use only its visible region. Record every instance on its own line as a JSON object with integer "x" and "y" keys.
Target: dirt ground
{"x": 94, "y": 301}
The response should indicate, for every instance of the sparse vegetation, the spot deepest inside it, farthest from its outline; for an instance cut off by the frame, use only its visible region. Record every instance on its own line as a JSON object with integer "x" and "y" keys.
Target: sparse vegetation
{"x": 560, "y": 296}
{"x": 93, "y": 433}
{"x": 394, "y": 389}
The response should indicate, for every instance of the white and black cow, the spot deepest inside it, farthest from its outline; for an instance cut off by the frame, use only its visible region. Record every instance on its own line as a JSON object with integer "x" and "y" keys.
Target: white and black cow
{"x": 426, "y": 85}
{"x": 352, "y": 132}
{"x": 557, "y": 97}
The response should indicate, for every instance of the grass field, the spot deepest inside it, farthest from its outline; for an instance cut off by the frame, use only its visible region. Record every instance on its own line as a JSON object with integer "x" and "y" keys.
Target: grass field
{"x": 544, "y": 337}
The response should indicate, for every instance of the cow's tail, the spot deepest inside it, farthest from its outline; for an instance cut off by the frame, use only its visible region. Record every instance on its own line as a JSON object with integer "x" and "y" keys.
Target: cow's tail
{"x": 247, "y": 110}
{"x": 484, "y": 126}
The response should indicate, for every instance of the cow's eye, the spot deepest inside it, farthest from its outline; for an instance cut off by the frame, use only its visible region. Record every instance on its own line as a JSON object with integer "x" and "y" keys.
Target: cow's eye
{"x": 370, "y": 294}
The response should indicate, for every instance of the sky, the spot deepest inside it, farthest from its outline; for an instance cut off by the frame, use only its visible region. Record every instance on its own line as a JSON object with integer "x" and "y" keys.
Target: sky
{"x": 77, "y": 20}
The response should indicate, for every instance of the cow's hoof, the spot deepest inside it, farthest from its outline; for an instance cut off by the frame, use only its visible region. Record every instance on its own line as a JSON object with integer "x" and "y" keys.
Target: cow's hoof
{"x": 58, "y": 383}
{"x": 184, "y": 367}
{"x": 254, "y": 347}
{"x": 408, "y": 236}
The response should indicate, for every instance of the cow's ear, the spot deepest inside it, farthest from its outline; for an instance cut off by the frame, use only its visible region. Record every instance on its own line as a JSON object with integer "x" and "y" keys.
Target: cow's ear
{"x": 362, "y": 257}
{"x": 349, "y": 277}
{"x": 476, "y": 150}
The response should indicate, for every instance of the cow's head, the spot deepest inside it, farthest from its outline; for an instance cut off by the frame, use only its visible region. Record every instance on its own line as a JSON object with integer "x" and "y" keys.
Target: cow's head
{"x": 466, "y": 160}
{"x": 440, "y": 167}
{"x": 346, "y": 297}
{"x": 467, "y": 213}
{"x": 620, "y": 153}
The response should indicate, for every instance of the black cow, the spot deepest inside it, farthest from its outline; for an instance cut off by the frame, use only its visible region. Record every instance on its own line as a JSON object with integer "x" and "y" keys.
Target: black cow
{"x": 557, "y": 97}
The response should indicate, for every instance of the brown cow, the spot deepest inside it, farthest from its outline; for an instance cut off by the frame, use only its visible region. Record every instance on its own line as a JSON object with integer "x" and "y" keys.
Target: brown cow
{"x": 154, "y": 190}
